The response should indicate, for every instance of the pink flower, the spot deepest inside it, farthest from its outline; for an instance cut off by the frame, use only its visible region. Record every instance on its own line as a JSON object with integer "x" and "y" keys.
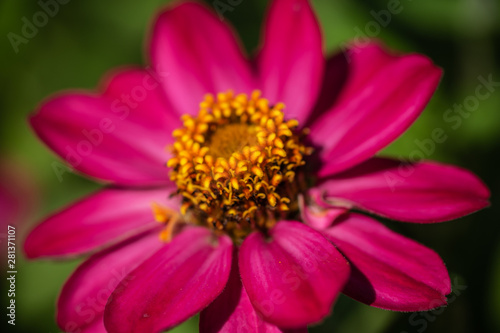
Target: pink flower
{"x": 262, "y": 222}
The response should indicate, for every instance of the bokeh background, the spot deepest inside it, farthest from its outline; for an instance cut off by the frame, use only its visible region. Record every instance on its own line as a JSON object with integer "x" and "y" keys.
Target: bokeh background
{"x": 85, "y": 39}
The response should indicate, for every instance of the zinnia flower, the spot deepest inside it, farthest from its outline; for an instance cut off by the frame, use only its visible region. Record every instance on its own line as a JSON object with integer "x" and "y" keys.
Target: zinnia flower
{"x": 261, "y": 177}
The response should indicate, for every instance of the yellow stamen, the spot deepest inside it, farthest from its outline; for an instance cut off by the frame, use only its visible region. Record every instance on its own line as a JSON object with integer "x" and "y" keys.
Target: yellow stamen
{"x": 168, "y": 217}
{"x": 233, "y": 160}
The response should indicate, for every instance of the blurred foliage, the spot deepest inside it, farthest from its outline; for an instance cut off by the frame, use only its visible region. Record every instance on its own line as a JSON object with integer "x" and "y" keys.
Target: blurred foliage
{"x": 85, "y": 39}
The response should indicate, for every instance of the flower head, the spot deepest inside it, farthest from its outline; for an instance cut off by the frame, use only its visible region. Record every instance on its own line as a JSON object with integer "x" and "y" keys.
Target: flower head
{"x": 247, "y": 192}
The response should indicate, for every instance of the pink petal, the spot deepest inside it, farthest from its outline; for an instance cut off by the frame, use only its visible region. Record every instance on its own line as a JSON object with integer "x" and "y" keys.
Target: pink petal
{"x": 175, "y": 283}
{"x": 424, "y": 192}
{"x": 198, "y": 54}
{"x": 383, "y": 95}
{"x": 95, "y": 327}
{"x": 118, "y": 136}
{"x": 318, "y": 217}
{"x": 389, "y": 271}
{"x": 293, "y": 275}
{"x": 84, "y": 296}
{"x": 291, "y": 62}
{"x": 103, "y": 218}
{"x": 334, "y": 79}
{"x": 233, "y": 312}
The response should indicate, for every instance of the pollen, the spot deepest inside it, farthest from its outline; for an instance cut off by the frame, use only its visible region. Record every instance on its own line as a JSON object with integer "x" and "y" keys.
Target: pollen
{"x": 235, "y": 163}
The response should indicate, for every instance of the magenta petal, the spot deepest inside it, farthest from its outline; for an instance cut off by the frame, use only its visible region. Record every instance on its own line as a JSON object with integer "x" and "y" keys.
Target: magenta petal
{"x": 293, "y": 275}
{"x": 319, "y": 217}
{"x": 232, "y": 311}
{"x": 389, "y": 271}
{"x": 382, "y": 97}
{"x": 84, "y": 296}
{"x": 94, "y": 327}
{"x": 198, "y": 54}
{"x": 423, "y": 192}
{"x": 105, "y": 217}
{"x": 334, "y": 78}
{"x": 291, "y": 62}
{"x": 119, "y": 136}
{"x": 174, "y": 284}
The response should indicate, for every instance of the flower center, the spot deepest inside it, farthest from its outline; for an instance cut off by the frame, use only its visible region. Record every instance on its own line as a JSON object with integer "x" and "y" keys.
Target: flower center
{"x": 231, "y": 138}
{"x": 236, "y": 163}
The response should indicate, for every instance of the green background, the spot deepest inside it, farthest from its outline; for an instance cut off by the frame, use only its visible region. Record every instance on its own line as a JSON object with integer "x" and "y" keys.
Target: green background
{"x": 88, "y": 38}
